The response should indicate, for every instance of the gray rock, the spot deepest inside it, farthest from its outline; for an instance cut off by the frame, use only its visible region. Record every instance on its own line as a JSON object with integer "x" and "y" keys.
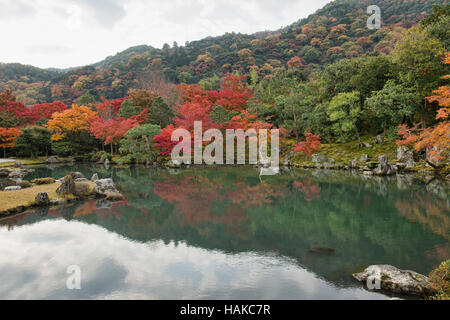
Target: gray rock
{"x": 431, "y": 160}
{"x": 42, "y": 199}
{"x": 82, "y": 189}
{"x": 13, "y": 188}
{"x": 379, "y": 139}
{"x": 107, "y": 188}
{"x": 4, "y": 172}
{"x": 395, "y": 280}
{"x": 67, "y": 186}
{"x": 406, "y": 156}
{"x": 52, "y": 159}
{"x": 318, "y": 157}
{"x": 367, "y": 145}
{"x": 17, "y": 174}
{"x": 18, "y": 164}
{"x": 354, "y": 163}
{"x": 368, "y": 173}
{"x": 174, "y": 164}
{"x": 77, "y": 175}
{"x": 94, "y": 177}
{"x": 364, "y": 158}
{"x": 384, "y": 168}
{"x": 81, "y": 180}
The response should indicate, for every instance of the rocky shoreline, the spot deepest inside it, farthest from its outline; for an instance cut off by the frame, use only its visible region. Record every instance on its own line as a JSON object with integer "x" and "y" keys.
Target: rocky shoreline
{"x": 71, "y": 188}
{"x": 405, "y": 163}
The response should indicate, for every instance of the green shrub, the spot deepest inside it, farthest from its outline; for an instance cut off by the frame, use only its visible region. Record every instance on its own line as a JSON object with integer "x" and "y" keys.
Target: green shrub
{"x": 24, "y": 184}
{"x": 101, "y": 156}
{"x": 40, "y": 181}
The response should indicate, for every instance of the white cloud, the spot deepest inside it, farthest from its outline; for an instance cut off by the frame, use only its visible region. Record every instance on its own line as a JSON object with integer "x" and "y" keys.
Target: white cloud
{"x": 94, "y": 29}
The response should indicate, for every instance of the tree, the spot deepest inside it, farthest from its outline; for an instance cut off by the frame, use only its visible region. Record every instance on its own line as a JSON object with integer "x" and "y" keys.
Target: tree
{"x": 70, "y": 131}
{"x": 137, "y": 144}
{"x": 8, "y": 137}
{"x": 33, "y": 141}
{"x": 437, "y": 24}
{"x": 45, "y": 110}
{"x": 111, "y": 131}
{"x": 311, "y": 143}
{"x": 295, "y": 62}
{"x": 393, "y": 104}
{"x": 344, "y": 111}
{"x": 160, "y": 113}
{"x": 13, "y": 114}
{"x": 435, "y": 140}
{"x": 163, "y": 140}
{"x": 128, "y": 110}
{"x": 419, "y": 56}
{"x": 71, "y": 121}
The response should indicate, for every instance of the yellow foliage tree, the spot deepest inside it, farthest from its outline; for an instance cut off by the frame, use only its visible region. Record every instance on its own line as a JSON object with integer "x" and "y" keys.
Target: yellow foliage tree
{"x": 72, "y": 120}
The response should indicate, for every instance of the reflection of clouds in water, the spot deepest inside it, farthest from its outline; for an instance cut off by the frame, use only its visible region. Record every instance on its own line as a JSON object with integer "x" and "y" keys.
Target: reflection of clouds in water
{"x": 114, "y": 267}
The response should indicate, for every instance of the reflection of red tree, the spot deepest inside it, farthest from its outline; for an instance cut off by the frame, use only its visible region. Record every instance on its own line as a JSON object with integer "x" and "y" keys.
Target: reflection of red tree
{"x": 85, "y": 209}
{"x": 54, "y": 213}
{"x": 439, "y": 253}
{"x": 234, "y": 220}
{"x": 10, "y": 222}
{"x": 310, "y": 189}
{"x": 256, "y": 195}
{"x": 427, "y": 211}
{"x": 194, "y": 198}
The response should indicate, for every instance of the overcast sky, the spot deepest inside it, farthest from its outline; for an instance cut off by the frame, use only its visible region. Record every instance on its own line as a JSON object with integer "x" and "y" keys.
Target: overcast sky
{"x": 68, "y": 33}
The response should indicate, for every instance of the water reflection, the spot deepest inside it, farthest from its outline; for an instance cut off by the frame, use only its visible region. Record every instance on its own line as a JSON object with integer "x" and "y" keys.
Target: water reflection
{"x": 115, "y": 267}
{"x": 226, "y": 233}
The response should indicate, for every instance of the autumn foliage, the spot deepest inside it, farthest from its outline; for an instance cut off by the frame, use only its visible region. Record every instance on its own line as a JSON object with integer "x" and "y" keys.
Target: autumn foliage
{"x": 8, "y": 137}
{"x": 198, "y": 104}
{"x": 311, "y": 143}
{"x": 435, "y": 140}
{"x": 72, "y": 120}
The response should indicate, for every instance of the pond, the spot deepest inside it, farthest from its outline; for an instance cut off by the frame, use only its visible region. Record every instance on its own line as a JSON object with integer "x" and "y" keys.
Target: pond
{"x": 225, "y": 233}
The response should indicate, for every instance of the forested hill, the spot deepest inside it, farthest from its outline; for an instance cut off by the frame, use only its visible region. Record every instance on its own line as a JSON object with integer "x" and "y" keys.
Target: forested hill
{"x": 336, "y": 31}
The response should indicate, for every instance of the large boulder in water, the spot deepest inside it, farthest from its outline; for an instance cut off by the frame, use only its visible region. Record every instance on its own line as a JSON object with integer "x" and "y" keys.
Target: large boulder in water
{"x": 77, "y": 175}
{"x": 67, "y": 186}
{"x": 107, "y": 188}
{"x": 384, "y": 168}
{"x": 82, "y": 189}
{"x": 395, "y": 280}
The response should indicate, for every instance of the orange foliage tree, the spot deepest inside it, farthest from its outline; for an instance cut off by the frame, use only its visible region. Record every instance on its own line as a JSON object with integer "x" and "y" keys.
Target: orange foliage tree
{"x": 8, "y": 138}
{"x": 71, "y": 121}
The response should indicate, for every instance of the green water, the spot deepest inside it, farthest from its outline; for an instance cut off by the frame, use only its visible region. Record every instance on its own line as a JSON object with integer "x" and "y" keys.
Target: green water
{"x": 225, "y": 233}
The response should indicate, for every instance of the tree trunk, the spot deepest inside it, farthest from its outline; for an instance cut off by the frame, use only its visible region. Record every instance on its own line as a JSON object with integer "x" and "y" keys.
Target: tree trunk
{"x": 112, "y": 150}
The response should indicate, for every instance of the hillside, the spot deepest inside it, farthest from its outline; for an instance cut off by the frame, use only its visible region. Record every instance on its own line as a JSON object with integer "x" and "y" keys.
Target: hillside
{"x": 336, "y": 31}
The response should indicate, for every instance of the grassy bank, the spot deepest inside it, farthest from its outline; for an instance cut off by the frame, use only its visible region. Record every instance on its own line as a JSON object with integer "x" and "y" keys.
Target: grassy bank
{"x": 342, "y": 153}
{"x": 26, "y": 162}
{"x": 19, "y": 200}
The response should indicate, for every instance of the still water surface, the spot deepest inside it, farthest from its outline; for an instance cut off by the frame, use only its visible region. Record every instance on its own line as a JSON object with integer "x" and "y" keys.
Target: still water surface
{"x": 225, "y": 233}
